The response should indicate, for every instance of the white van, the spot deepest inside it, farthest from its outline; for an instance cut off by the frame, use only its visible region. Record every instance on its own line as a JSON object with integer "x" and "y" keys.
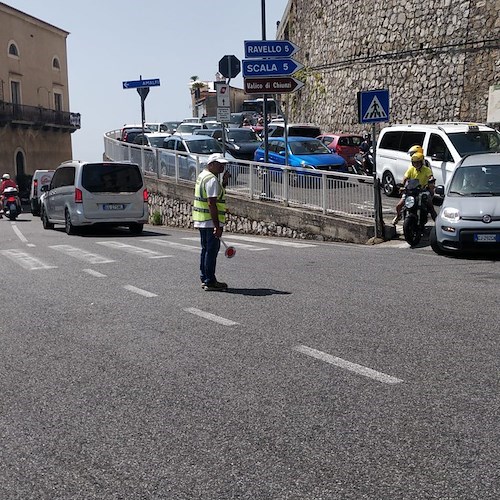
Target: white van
{"x": 40, "y": 178}
{"x": 85, "y": 194}
{"x": 444, "y": 145}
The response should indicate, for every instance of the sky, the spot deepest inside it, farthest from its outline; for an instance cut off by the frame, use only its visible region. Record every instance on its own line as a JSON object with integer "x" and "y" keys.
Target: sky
{"x": 112, "y": 41}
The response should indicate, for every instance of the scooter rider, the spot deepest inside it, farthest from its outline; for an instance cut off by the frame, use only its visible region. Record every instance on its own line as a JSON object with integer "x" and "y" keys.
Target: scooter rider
{"x": 423, "y": 174}
{"x": 6, "y": 182}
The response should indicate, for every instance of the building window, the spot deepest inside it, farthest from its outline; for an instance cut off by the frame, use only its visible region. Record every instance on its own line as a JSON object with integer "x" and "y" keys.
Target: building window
{"x": 13, "y": 50}
{"x": 58, "y": 104}
{"x": 56, "y": 64}
{"x": 15, "y": 92}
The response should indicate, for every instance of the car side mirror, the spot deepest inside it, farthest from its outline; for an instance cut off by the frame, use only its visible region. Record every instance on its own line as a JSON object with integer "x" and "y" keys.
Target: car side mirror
{"x": 438, "y": 157}
{"x": 281, "y": 152}
{"x": 439, "y": 190}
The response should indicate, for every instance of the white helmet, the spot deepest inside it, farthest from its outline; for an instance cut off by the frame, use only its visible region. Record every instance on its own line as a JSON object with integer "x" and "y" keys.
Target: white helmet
{"x": 5, "y": 176}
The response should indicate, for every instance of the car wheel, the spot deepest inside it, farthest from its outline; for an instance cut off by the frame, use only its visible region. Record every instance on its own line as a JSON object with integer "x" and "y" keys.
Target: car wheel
{"x": 68, "y": 226}
{"x": 434, "y": 242}
{"x": 389, "y": 184}
{"x": 45, "y": 221}
{"x": 136, "y": 228}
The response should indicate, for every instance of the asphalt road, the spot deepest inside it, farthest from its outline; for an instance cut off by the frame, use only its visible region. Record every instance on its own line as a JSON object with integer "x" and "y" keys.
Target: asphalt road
{"x": 327, "y": 371}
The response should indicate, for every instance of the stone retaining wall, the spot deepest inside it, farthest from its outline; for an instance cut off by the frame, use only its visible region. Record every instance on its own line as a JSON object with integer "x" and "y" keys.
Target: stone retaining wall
{"x": 438, "y": 59}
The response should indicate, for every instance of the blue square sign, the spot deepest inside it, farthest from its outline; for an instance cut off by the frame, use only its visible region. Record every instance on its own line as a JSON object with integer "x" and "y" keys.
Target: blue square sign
{"x": 373, "y": 106}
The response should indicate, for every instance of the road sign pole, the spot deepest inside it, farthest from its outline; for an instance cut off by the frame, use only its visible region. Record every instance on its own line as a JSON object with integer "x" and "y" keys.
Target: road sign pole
{"x": 264, "y": 104}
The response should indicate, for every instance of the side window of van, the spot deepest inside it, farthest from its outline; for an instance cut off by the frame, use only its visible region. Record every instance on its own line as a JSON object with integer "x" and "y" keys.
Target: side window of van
{"x": 56, "y": 179}
{"x": 437, "y": 149}
{"x": 391, "y": 140}
{"x": 410, "y": 138}
{"x": 67, "y": 176}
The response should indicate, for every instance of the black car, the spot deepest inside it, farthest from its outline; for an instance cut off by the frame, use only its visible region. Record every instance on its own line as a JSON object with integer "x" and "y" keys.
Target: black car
{"x": 240, "y": 142}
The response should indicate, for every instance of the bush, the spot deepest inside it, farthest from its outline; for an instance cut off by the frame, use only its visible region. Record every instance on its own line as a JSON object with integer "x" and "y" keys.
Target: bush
{"x": 156, "y": 218}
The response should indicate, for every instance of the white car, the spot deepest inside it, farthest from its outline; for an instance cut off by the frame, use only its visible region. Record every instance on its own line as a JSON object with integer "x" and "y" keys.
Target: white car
{"x": 469, "y": 217}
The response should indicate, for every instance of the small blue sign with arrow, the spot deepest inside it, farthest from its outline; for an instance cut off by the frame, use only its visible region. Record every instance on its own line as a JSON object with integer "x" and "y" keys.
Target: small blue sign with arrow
{"x": 270, "y": 67}
{"x": 135, "y": 84}
{"x": 269, "y": 48}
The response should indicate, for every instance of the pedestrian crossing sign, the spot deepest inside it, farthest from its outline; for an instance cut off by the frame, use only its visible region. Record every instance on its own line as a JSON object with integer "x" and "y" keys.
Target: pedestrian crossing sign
{"x": 373, "y": 106}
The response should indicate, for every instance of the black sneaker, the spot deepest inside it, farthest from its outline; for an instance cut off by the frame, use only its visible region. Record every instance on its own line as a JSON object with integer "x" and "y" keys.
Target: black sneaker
{"x": 214, "y": 286}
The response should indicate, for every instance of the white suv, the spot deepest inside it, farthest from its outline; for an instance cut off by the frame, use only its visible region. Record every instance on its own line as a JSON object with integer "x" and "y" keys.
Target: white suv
{"x": 85, "y": 194}
{"x": 445, "y": 144}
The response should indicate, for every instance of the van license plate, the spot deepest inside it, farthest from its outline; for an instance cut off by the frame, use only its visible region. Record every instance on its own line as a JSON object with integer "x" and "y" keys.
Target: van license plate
{"x": 486, "y": 238}
{"x": 113, "y": 206}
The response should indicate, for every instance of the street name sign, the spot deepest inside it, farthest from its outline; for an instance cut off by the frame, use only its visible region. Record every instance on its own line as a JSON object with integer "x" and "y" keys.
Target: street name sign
{"x": 373, "y": 106}
{"x": 272, "y": 85}
{"x": 136, "y": 84}
{"x": 270, "y": 67}
{"x": 269, "y": 48}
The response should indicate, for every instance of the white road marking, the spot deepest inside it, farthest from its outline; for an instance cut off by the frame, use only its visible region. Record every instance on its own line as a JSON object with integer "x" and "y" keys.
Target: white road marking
{"x": 342, "y": 363}
{"x": 26, "y": 260}
{"x": 97, "y": 274}
{"x": 144, "y": 252}
{"x": 30, "y": 245}
{"x": 237, "y": 244}
{"x": 173, "y": 244}
{"x": 210, "y": 316}
{"x": 262, "y": 241}
{"x": 80, "y": 254}
{"x": 139, "y": 291}
{"x": 19, "y": 234}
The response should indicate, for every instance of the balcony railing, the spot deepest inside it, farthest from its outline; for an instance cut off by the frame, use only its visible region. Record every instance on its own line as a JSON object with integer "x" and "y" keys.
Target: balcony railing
{"x": 37, "y": 117}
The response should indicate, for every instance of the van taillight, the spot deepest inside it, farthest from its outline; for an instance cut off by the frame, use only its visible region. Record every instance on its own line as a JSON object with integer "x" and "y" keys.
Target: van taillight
{"x": 78, "y": 196}
{"x": 35, "y": 187}
{"x": 145, "y": 195}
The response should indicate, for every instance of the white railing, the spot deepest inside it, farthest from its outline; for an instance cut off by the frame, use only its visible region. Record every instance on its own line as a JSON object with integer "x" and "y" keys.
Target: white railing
{"x": 336, "y": 193}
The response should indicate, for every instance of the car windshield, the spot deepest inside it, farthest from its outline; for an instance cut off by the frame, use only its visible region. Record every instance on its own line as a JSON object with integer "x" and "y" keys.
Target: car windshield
{"x": 243, "y": 134}
{"x": 476, "y": 142}
{"x": 314, "y": 147}
{"x": 476, "y": 180}
{"x": 188, "y": 127}
{"x": 111, "y": 178}
{"x": 204, "y": 146}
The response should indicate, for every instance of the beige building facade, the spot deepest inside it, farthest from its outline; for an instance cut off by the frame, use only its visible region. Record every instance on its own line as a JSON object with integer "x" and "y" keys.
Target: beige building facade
{"x": 35, "y": 119}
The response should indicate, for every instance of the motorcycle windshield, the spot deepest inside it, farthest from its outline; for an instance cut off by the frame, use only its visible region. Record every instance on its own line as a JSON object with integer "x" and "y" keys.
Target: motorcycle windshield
{"x": 412, "y": 184}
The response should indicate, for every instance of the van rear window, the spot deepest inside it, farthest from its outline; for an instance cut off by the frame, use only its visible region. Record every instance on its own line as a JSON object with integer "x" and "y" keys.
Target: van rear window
{"x": 111, "y": 178}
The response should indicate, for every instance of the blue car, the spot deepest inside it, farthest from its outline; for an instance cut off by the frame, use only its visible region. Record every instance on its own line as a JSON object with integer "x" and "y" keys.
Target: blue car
{"x": 304, "y": 152}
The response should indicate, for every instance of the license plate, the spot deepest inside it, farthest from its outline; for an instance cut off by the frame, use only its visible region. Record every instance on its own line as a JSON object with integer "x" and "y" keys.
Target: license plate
{"x": 486, "y": 238}
{"x": 113, "y": 206}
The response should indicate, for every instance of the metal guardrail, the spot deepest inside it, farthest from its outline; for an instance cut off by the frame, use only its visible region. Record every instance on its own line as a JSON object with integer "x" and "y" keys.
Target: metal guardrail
{"x": 332, "y": 193}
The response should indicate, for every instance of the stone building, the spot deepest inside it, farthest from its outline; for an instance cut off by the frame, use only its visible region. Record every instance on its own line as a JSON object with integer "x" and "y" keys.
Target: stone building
{"x": 35, "y": 118}
{"x": 437, "y": 59}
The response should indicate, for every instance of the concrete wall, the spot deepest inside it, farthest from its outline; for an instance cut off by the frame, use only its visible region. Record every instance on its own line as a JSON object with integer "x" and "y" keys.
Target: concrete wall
{"x": 174, "y": 203}
{"x": 437, "y": 59}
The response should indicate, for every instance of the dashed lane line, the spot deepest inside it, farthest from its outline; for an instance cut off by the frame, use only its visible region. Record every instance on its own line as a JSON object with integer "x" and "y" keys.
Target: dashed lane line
{"x": 18, "y": 233}
{"x": 347, "y": 365}
{"x": 210, "y": 316}
{"x": 97, "y": 274}
{"x": 139, "y": 291}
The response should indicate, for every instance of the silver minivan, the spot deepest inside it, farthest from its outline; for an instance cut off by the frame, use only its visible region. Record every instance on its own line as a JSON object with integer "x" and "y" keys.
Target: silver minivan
{"x": 83, "y": 194}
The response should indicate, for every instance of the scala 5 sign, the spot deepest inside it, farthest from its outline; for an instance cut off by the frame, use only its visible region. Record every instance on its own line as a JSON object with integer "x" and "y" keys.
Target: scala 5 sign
{"x": 270, "y": 75}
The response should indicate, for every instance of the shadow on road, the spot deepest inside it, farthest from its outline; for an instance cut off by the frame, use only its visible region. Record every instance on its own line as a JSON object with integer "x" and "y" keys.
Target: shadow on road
{"x": 256, "y": 292}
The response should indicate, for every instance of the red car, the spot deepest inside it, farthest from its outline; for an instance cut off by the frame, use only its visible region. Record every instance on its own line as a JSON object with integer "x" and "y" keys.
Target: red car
{"x": 345, "y": 145}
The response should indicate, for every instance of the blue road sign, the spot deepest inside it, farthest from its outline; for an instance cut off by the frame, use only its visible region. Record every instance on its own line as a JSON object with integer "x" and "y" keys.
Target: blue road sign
{"x": 135, "y": 84}
{"x": 270, "y": 67}
{"x": 269, "y": 48}
{"x": 373, "y": 106}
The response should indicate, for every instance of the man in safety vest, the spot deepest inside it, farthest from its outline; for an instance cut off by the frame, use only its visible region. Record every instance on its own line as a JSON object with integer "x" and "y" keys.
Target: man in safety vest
{"x": 209, "y": 216}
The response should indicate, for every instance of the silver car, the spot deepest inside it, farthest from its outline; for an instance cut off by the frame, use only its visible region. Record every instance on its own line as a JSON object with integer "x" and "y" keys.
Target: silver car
{"x": 470, "y": 214}
{"x": 84, "y": 194}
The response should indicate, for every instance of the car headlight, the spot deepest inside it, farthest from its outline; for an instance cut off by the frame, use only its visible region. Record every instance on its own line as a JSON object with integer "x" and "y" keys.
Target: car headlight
{"x": 410, "y": 201}
{"x": 450, "y": 214}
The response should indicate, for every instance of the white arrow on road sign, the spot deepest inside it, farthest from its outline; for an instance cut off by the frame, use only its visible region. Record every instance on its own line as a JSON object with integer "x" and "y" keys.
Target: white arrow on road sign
{"x": 375, "y": 110}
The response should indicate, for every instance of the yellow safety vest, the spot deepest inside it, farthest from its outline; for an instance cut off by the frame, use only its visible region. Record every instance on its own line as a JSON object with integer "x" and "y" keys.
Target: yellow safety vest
{"x": 201, "y": 211}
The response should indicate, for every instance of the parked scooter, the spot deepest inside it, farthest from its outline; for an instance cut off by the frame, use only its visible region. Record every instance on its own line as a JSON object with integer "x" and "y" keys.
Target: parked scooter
{"x": 11, "y": 203}
{"x": 363, "y": 163}
{"x": 415, "y": 211}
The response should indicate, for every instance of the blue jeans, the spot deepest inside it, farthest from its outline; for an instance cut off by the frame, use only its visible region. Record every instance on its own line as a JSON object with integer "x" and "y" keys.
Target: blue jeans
{"x": 208, "y": 259}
